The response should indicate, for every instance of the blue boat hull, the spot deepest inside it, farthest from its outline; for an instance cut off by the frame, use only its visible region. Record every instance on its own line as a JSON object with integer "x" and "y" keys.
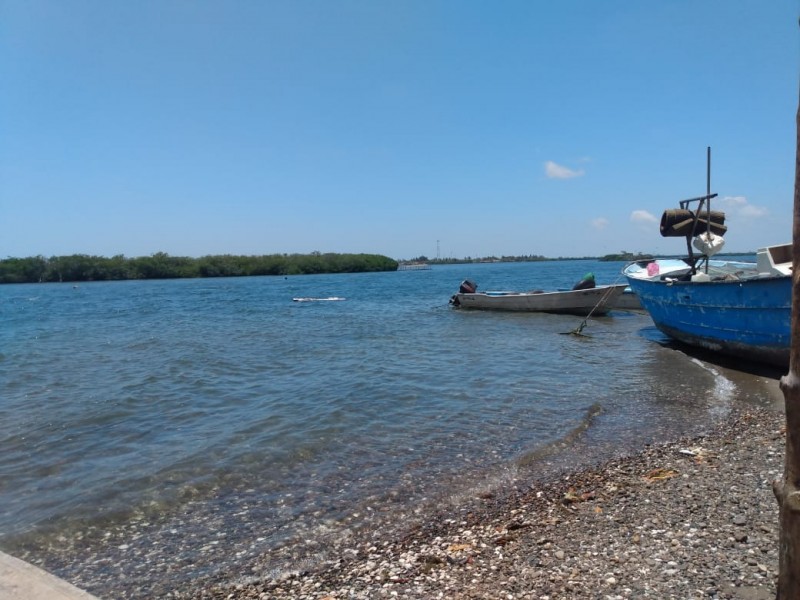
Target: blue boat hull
{"x": 748, "y": 319}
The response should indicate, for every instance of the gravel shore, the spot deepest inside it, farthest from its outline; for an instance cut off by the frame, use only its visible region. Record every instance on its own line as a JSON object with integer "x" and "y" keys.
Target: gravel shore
{"x": 690, "y": 519}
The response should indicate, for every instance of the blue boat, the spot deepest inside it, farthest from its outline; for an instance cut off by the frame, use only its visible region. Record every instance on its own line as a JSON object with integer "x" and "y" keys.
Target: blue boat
{"x": 737, "y": 309}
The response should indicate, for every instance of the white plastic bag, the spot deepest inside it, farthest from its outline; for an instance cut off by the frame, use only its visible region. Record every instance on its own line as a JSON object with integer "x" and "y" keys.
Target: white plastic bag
{"x": 708, "y": 244}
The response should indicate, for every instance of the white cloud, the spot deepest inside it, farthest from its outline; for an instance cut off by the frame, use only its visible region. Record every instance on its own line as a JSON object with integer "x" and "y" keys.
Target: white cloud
{"x": 556, "y": 171}
{"x": 737, "y": 206}
{"x": 642, "y": 216}
{"x": 734, "y": 201}
{"x": 600, "y": 223}
{"x": 753, "y": 212}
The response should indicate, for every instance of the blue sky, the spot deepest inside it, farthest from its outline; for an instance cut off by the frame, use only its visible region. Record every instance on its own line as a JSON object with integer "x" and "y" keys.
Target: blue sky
{"x": 404, "y": 128}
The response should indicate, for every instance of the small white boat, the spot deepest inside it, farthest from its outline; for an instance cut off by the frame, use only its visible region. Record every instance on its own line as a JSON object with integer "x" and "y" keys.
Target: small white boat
{"x": 330, "y": 299}
{"x": 414, "y": 266}
{"x": 591, "y": 301}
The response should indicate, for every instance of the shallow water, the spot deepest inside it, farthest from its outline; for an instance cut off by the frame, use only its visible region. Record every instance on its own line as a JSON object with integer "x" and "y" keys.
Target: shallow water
{"x": 225, "y": 421}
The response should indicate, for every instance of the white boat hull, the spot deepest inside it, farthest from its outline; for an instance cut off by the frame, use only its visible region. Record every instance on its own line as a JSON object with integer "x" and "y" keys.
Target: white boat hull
{"x": 628, "y": 300}
{"x": 595, "y": 301}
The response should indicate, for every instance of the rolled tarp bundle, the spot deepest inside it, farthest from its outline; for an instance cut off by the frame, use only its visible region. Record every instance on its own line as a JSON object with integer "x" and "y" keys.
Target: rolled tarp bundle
{"x": 680, "y": 222}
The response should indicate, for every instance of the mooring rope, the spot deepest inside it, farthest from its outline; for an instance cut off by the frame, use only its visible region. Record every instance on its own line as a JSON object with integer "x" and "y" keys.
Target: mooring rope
{"x": 603, "y": 298}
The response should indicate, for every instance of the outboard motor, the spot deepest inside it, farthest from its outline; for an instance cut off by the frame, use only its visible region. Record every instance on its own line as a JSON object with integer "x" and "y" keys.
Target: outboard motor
{"x": 467, "y": 287}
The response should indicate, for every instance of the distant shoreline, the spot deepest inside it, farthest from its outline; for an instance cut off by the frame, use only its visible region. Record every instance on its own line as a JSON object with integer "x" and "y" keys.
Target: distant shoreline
{"x": 84, "y": 268}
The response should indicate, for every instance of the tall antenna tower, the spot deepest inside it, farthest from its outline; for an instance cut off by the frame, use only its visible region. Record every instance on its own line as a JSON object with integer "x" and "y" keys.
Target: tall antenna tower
{"x": 437, "y": 249}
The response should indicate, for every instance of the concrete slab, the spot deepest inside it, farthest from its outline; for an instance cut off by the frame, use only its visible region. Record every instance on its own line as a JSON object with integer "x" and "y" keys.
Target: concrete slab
{"x": 22, "y": 581}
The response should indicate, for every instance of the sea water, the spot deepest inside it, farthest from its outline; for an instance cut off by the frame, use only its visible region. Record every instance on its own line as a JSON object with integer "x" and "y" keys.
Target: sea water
{"x": 217, "y": 421}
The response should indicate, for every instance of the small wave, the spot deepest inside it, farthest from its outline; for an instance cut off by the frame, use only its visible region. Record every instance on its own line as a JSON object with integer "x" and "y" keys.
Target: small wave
{"x": 565, "y": 441}
{"x": 330, "y": 299}
{"x": 723, "y": 391}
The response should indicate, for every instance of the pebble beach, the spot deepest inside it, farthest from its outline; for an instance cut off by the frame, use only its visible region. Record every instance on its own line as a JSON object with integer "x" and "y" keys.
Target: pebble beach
{"x": 693, "y": 518}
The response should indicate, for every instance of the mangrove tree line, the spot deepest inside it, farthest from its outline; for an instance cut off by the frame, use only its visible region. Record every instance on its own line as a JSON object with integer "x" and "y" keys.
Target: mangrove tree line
{"x": 82, "y": 267}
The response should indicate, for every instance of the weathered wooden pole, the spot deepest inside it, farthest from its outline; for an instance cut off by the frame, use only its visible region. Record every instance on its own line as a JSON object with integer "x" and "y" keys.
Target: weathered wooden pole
{"x": 787, "y": 490}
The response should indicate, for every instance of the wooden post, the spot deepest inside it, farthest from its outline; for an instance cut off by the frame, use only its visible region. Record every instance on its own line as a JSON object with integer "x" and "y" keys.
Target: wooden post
{"x": 787, "y": 490}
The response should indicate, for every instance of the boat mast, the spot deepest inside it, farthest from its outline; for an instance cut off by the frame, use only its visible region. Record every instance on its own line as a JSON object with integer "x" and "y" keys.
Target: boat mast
{"x": 703, "y": 201}
{"x": 708, "y": 195}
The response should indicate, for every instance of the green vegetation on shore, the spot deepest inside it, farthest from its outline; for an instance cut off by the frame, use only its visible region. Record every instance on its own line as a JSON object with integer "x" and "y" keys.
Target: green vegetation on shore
{"x": 624, "y": 256}
{"x": 82, "y": 267}
{"x": 486, "y": 259}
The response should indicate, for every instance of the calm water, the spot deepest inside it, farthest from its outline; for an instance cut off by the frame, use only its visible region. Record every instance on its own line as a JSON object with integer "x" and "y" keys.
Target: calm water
{"x": 222, "y": 421}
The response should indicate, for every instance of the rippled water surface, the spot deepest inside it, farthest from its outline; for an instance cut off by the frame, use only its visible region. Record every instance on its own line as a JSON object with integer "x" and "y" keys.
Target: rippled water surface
{"x": 201, "y": 407}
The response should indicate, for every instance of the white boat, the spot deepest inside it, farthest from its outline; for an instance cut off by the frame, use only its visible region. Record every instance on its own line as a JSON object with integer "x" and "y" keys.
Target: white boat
{"x": 415, "y": 266}
{"x": 329, "y": 299}
{"x": 591, "y": 301}
{"x": 628, "y": 300}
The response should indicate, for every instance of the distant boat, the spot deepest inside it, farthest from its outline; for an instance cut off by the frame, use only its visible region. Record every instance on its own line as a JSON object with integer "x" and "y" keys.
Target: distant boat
{"x": 595, "y": 301}
{"x": 740, "y": 309}
{"x": 414, "y": 266}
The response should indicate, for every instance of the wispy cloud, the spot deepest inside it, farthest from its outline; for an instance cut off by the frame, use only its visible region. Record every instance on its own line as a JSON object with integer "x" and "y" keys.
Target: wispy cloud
{"x": 738, "y": 206}
{"x": 642, "y": 216}
{"x": 600, "y": 223}
{"x": 556, "y": 171}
